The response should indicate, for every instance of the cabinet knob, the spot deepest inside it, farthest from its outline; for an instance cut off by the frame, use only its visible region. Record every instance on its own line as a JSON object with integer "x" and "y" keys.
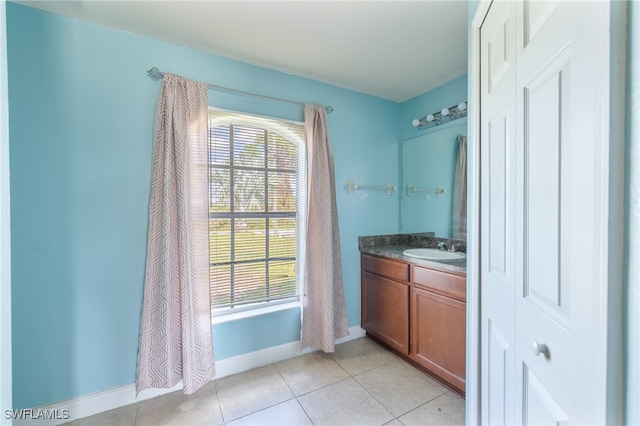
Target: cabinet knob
{"x": 540, "y": 348}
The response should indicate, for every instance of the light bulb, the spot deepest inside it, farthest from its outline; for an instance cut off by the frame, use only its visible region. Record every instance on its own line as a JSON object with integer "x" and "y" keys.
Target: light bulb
{"x": 430, "y": 117}
{"x": 462, "y": 106}
{"x": 444, "y": 112}
{"x": 415, "y": 122}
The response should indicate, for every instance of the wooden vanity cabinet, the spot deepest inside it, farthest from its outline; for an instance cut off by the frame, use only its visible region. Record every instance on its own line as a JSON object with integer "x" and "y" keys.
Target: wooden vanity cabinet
{"x": 419, "y": 312}
{"x": 385, "y": 301}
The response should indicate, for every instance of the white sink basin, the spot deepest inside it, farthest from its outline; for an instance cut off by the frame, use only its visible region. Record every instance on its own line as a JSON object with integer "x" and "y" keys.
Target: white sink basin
{"x": 433, "y": 254}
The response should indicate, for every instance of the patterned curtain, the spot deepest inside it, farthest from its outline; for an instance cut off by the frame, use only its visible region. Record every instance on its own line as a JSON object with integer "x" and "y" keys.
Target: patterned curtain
{"x": 324, "y": 314}
{"x": 459, "y": 228}
{"x": 175, "y": 331}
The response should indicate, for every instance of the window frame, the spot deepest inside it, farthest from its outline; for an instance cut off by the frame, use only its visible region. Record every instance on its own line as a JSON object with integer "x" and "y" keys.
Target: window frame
{"x": 221, "y": 117}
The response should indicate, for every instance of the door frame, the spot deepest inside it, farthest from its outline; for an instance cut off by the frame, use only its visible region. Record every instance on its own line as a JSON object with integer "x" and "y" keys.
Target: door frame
{"x": 5, "y": 225}
{"x": 473, "y": 401}
{"x": 614, "y": 248}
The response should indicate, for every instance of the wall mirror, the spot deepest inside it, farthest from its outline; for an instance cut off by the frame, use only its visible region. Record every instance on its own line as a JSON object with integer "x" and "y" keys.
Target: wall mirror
{"x": 428, "y": 168}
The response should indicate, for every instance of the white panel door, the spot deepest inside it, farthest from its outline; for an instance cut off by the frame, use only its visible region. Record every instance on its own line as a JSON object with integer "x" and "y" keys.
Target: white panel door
{"x": 497, "y": 192}
{"x": 544, "y": 107}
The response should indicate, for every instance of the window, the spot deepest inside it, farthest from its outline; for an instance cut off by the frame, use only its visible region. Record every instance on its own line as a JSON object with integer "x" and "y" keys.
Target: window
{"x": 256, "y": 202}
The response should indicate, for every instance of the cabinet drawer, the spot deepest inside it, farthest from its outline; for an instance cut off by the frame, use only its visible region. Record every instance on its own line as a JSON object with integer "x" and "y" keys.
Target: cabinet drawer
{"x": 385, "y": 267}
{"x": 440, "y": 282}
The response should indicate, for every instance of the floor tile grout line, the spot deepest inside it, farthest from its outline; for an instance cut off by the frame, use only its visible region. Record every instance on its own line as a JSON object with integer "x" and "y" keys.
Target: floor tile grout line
{"x": 135, "y": 421}
{"x": 426, "y": 403}
{"x": 215, "y": 387}
{"x": 293, "y": 396}
{"x": 349, "y": 376}
{"x": 321, "y": 387}
{"x": 444, "y": 390}
{"x": 284, "y": 379}
{"x": 352, "y": 358}
{"x": 374, "y": 398}
{"x": 261, "y": 409}
{"x": 297, "y": 397}
{"x": 366, "y": 371}
{"x": 338, "y": 364}
{"x": 293, "y": 393}
{"x": 305, "y": 411}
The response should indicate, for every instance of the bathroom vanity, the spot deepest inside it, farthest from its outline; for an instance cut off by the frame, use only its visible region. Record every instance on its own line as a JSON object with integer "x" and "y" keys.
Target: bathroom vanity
{"x": 416, "y": 307}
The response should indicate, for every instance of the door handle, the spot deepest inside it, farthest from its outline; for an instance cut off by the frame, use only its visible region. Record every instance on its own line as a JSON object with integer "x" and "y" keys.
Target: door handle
{"x": 540, "y": 348}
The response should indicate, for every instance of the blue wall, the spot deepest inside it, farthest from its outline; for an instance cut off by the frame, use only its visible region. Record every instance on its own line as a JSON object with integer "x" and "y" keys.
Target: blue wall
{"x": 81, "y": 119}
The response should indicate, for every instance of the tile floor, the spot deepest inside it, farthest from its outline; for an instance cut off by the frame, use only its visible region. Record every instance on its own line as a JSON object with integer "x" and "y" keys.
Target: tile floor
{"x": 360, "y": 384}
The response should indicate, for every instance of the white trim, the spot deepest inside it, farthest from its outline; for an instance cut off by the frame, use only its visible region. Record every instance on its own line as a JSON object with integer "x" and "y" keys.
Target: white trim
{"x": 275, "y": 124}
{"x": 5, "y": 227}
{"x": 228, "y": 314}
{"x": 98, "y": 402}
{"x": 259, "y": 116}
{"x": 473, "y": 395}
{"x": 632, "y": 238}
{"x": 355, "y": 332}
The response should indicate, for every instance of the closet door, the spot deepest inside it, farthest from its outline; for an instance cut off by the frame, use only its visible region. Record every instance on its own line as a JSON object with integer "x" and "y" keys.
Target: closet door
{"x": 544, "y": 199}
{"x": 498, "y": 209}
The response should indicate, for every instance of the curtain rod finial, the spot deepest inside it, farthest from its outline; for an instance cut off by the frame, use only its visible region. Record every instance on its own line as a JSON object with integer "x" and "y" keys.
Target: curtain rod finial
{"x": 155, "y": 73}
{"x": 329, "y": 109}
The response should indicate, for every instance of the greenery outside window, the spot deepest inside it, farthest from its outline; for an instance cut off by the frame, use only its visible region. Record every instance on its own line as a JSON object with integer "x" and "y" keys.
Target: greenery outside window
{"x": 256, "y": 210}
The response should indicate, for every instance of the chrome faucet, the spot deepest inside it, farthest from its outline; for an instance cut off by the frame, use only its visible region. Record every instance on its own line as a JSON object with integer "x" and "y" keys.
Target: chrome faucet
{"x": 443, "y": 246}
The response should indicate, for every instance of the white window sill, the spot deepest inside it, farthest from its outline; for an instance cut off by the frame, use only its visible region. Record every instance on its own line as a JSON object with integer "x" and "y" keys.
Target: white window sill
{"x": 233, "y": 314}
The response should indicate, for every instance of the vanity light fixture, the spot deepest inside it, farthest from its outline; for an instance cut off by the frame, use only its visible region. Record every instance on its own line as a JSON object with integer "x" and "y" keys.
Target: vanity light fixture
{"x": 444, "y": 115}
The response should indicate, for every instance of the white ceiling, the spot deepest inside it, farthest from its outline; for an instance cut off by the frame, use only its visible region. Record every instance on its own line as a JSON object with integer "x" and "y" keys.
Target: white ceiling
{"x": 391, "y": 49}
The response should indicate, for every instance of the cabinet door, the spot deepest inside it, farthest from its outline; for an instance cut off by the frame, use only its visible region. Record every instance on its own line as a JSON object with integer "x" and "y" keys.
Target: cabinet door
{"x": 438, "y": 335}
{"x": 385, "y": 310}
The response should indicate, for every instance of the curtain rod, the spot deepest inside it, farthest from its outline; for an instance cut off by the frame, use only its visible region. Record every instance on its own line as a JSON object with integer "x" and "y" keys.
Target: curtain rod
{"x": 156, "y": 74}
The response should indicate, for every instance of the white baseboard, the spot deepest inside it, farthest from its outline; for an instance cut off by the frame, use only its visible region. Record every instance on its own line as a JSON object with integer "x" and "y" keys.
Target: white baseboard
{"x": 98, "y": 402}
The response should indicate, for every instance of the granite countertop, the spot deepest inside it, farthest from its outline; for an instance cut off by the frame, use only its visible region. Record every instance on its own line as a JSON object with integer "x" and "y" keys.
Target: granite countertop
{"x": 392, "y": 246}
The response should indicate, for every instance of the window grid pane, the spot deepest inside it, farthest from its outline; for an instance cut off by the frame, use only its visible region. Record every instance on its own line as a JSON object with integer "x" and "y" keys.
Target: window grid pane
{"x": 282, "y": 238}
{"x": 249, "y": 239}
{"x": 220, "y": 285}
{"x": 253, "y": 210}
{"x": 282, "y": 191}
{"x": 248, "y": 146}
{"x": 219, "y": 240}
{"x": 248, "y": 191}
{"x": 219, "y": 145}
{"x": 250, "y": 282}
{"x": 282, "y": 278}
{"x": 282, "y": 153}
{"x": 219, "y": 189}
